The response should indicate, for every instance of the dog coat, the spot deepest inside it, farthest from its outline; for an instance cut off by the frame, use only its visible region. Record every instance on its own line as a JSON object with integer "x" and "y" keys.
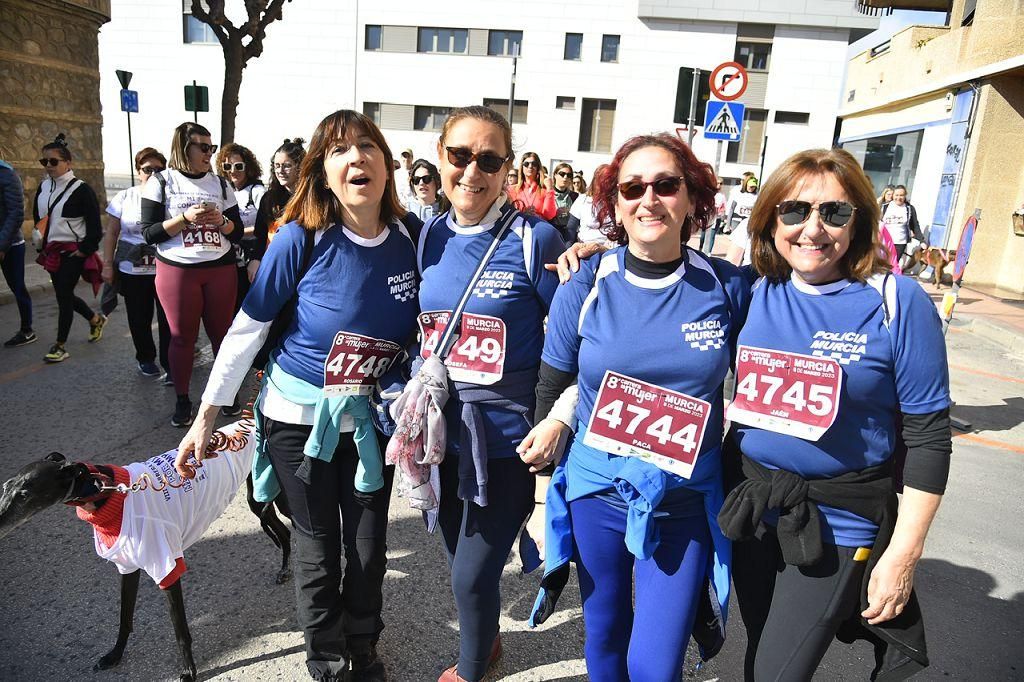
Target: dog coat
{"x": 156, "y": 527}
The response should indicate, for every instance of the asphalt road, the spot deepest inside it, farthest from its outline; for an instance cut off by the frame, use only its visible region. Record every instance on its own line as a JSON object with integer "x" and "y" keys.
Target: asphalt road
{"x": 58, "y": 611}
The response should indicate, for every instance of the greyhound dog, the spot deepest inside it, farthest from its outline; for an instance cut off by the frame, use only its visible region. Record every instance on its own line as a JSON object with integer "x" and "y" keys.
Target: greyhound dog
{"x": 144, "y": 516}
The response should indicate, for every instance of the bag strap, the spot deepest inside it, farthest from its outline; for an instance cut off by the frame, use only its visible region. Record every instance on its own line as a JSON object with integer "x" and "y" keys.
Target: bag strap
{"x": 454, "y": 321}
{"x": 52, "y": 204}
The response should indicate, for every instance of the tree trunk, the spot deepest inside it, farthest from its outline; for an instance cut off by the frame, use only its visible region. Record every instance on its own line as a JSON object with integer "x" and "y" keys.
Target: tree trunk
{"x": 234, "y": 62}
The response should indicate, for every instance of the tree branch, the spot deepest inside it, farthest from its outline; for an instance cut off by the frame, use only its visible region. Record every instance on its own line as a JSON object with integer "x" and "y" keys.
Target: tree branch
{"x": 215, "y": 19}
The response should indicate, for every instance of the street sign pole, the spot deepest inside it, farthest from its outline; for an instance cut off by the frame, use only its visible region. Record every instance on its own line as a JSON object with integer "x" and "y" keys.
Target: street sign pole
{"x": 512, "y": 88}
{"x": 718, "y": 159}
{"x": 125, "y": 78}
{"x": 692, "y": 125}
{"x": 195, "y": 110}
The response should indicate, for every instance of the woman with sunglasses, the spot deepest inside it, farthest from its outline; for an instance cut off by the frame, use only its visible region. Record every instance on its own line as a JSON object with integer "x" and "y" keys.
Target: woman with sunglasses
{"x": 838, "y": 361}
{"x": 529, "y": 195}
{"x": 284, "y": 177}
{"x": 191, "y": 216}
{"x": 486, "y": 491}
{"x": 128, "y": 257}
{"x": 239, "y": 165}
{"x": 564, "y": 198}
{"x": 579, "y": 185}
{"x": 424, "y": 184}
{"x": 647, "y": 330}
{"x": 68, "y": 232}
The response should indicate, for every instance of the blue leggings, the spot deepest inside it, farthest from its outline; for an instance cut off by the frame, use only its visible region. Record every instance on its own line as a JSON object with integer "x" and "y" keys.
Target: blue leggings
{"x": 646, "y": 642}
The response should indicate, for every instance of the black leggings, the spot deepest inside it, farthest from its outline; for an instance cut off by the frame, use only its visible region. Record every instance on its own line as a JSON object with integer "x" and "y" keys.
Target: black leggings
{"x": 140, "y": 301}
{"x": 64, "y": 281}
{"x": 335, "y": 608}
{"x": 478, "y": 540}
{"x": 791, "y": 614}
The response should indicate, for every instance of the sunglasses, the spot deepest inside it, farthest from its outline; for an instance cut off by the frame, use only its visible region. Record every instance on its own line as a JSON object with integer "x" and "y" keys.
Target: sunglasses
{"x": 49, "y": 162}
{"x": 205, "y": 147}
{"x": 564, "y": 174}
{"x": 530, "y": 164}
{"x": 421, "y": 179}
{"x": 149, "y": 170}
{"x": 237, "y": 166}
{"x": 488, "y": 162}
{"x": 663, "y": 187}
{"x": 285, "y": 167}
{"x": 833, "y": 213}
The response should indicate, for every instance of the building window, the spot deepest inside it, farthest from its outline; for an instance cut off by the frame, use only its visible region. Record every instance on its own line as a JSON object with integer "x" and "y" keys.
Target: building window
{"x": 504, "y": 43}
{"x": 888, "y": 159}
{"x": 565, "y": 103}
{"x": 198, "y": 32}
{"x": 373, "y": 37}
{"x": 793, "y": 117}
{"x": 969, "y": 9}
{"x": 748, "y": 149}
{"x": 372, "y": 110}
{"x": 573, "y": 47}
{"x": 754, "y": 56}
{"x": 519, "y": 111}
{"x": 596, "y": 123}
{"x": 610, "y": 48}
{"x": 429, "y": 118}
{"x": 443, "y": 40}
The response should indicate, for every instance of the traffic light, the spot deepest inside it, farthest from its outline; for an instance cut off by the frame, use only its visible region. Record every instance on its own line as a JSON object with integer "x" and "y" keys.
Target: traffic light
{"x": 683, "y": 90}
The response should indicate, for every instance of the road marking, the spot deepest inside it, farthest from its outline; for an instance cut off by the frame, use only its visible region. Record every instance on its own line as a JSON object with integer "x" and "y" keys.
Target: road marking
{"x": 990, "y": 375}
{"x": 19, "y": 373}
{"x": 991, "y": 443}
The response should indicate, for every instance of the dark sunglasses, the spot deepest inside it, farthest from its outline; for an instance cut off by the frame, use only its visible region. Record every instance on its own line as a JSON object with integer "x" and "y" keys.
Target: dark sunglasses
{"x": 564, "y": 174}
{"x": 149, "y": 170}
{"x": 530, "y": 164}
{"x": 49, "y": 162}
{"x": 488, "y": 162}
{"x": 421, "y": 179}
{"x": 663, "y": 187}
{"x": 833, "y": 213}
{"x": 205, "y": 147}
{"x": 237, "y": 166}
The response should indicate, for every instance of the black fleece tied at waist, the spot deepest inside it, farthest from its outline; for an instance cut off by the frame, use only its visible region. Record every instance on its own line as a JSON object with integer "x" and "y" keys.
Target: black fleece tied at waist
{"x": 868, "y": 493}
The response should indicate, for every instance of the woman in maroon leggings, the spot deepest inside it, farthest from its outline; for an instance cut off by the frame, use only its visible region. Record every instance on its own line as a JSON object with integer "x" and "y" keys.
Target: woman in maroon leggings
{"x": 191, "y": 216}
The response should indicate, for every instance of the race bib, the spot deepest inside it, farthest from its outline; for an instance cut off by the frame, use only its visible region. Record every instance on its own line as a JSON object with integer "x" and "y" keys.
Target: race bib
{"x": 355, "y": 362}
{"x": 633, "y": 418}
{"x": 788, "y": 393}
{"x": 201, "y": 238}
{"x": 146, "y": 265}
{"x": 478, "y": 356}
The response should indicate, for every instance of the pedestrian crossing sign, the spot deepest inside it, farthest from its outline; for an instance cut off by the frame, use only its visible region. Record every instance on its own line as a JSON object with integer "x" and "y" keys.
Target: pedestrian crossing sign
{"x": 723, "y": 121}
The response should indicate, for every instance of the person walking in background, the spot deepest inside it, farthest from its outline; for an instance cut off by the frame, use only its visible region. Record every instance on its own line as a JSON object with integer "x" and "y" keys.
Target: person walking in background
{"x": 239, "y": 165}
{"x": 511, "y": 179}
{"x": 900, "y": 219}
{"x": 424, "y": 181}
{"x": 741, "y": 203}
{"x": 564, "y": 199}
{"x": 284, "y": 176}
{"x": 529, "y": 195}
{"x": 403, "y": 171}
{"x": 579, "y": 185}
{"x": 130, "y": 261}
{"x": 191, "y": 216}
{"x": 583, "y": 219}
{"x": 12, "y": 251}
{"x": 68, "y": 231}
{"x": 719, "y": 215}
{"x": 886, "y": 196}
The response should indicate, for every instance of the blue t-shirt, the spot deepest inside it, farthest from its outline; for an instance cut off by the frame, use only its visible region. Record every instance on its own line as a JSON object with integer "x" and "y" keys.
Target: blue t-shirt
{"x": 677, "y": 332}
{"x": 514, "y": 288}
{"x": 363, "y": 286}
{"x": 885, "y": 371}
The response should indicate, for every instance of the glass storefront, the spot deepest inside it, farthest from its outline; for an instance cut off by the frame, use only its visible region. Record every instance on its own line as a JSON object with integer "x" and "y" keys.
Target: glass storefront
{"x": 888, "y": 159}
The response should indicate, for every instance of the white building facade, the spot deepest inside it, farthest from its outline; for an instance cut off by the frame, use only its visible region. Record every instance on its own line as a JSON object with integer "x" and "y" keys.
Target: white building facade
{"x": 591, "y": 73}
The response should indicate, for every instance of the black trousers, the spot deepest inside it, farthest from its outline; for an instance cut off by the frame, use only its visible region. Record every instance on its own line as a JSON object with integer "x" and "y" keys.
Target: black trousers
{"x": 243, "y": 288}
{"x": 339, "y": 611}
{"x": 140, "y": 301}
{"x": 791, "y": 614}
{"x": 64, "y": 281}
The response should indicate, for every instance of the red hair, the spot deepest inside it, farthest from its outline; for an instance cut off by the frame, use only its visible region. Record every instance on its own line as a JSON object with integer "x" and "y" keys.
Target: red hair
{"x": 698, "y": 176}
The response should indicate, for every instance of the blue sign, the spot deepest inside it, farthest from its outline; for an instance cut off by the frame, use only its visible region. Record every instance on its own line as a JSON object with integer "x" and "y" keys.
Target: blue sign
{"x": 723, "y": 121}
{"x": 963, "y": 251}
{"x": 130, "y": 101}
{"x": 955, "y": 152}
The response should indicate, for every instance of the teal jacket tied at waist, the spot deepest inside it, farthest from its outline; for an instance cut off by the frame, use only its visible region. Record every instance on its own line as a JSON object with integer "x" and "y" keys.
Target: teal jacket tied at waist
{"x": 328, "y": 412}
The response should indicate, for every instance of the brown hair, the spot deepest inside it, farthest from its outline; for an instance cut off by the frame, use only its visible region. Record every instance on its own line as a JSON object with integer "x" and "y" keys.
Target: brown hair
{"x": 179, "y": 144}
{"x": 314, "y": 205}
{"x": 253, "y": 169}
{"x": 864, "y": 257}
{"x": 560, "y": 167}
{"x": 698, "y": 176}
{"x": 522, "y": 175}
{"x": 149, "y": 153}
{"x": 592, "y": 187}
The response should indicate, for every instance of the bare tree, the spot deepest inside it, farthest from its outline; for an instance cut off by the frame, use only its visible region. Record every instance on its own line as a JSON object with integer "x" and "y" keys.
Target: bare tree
{"x": 240, "y": 44}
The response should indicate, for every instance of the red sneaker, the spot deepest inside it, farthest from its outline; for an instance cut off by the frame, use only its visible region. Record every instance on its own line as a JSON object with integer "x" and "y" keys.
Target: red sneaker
{"x": 452, "y": 673}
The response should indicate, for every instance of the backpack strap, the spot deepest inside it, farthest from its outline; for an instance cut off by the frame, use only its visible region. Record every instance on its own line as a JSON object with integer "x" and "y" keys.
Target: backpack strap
{"x": 885, "y": 285}
{"x": 223, "y": 188}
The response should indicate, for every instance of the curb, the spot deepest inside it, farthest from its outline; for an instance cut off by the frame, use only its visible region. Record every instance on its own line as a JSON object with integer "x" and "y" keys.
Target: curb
{"x": 1008, "y": 338}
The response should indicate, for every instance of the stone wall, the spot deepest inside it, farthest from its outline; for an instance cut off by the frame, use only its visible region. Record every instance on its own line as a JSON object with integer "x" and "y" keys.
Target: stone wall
{"x": 49, "y": 83}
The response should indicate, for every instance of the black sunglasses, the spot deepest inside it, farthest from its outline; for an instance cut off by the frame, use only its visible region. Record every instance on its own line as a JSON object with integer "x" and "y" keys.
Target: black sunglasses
{"x": 205, "y": 147}
{"x": 663, "y": 187}
{"x": 149, "y": 170}
{"x": 530, "y": 164}
{"x": 564, "y": 174}
{"x": 49, "y": 162}
{"x": 488, "y": 162}
{"x": 833, "y": 213}
{"x": 236, "y": 166}
{"x": 421, "y": 179}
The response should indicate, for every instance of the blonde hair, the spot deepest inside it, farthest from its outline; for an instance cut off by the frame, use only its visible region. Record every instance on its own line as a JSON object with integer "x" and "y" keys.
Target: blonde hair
{"x": 179, "y": 145}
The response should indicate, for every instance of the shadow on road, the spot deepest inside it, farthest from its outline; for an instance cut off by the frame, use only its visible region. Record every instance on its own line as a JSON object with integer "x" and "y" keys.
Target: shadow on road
{"x": 998, "y": 417}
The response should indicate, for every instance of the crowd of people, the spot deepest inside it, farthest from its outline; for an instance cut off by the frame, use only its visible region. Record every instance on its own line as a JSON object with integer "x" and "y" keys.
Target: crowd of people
{"x": 530, "y": 353}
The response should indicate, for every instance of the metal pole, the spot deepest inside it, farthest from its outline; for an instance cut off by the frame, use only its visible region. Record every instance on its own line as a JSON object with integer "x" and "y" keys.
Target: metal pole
{"x": 764, "y": 151}
{"x": 718, "y": 159}
{"x": 131, "y": 156}
{"x": 692, "y": 123}
{"x": 512, "y": 88}
{"x": 195, "y": 102}
{"x": 355, "y": 57}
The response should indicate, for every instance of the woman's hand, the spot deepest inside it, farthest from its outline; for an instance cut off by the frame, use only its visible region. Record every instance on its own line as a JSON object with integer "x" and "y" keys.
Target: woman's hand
{"x": 193, "y": 213}
{"x": 889, "y": 586}
{"x": 107, "y": 273}
{"x": 543, "y": 444}
{"x": 569, "y": 261}
{"x": 251, "y": 269}
{"x": 536, "y": 527}
{"x": 193, "y": 445}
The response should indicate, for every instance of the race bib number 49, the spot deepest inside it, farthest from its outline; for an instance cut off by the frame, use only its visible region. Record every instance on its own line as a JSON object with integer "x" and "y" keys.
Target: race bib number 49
{"x": 201, "y": 238}
{"x": 355, "y": 362}
{"x": 478, "y": 356}
{"x": 633, "y": 418}
{"x": 788, "y": 393}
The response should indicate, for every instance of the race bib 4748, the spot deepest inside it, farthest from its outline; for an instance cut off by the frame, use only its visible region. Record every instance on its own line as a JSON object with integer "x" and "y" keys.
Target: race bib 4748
{"x": 355, "y": 363}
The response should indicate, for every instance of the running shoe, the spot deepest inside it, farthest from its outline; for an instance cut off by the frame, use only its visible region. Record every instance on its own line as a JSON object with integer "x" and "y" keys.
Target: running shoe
{"x": 96, "y": 330}
{"x": 182, "y": 413}
{"x": 232, "y": 410}
{"x": 166, "y": 379}
{"x": 57, "y": 354}
{"x": 149, "y": 369}
{"x": 22, "y": 338}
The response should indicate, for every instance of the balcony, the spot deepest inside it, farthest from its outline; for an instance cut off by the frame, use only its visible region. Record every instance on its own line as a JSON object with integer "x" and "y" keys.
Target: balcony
{"x": 885, "y": 7}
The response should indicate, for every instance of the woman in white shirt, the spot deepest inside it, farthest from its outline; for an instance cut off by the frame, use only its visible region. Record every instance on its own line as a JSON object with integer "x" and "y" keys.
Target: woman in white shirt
{"x": 239, "y": 165}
